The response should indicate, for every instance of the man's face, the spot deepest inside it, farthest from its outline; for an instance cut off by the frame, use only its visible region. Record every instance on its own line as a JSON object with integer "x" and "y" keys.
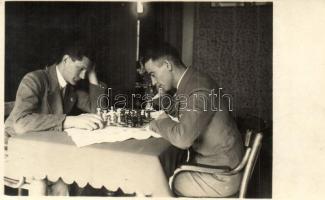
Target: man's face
{"x": 75, "y": 70}
{"x": 160, "y": 74}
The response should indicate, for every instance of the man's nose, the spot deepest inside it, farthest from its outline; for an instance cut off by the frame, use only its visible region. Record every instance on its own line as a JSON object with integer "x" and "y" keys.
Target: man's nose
{"x": 153, "y": 81}
{"x": 83, "y": 74}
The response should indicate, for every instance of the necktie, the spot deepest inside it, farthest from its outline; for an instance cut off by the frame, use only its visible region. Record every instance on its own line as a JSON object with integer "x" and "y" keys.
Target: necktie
{"x": 65, "y": 97}
{"x": 62, "y": 91}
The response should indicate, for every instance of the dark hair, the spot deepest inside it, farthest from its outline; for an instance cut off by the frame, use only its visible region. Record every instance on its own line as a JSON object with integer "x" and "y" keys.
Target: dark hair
{"x": 76, "y": 50}
{"x": 156, "y": 51}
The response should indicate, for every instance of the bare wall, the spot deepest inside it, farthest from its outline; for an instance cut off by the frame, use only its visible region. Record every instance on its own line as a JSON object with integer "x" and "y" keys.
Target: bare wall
{"x": 234, "y": 45}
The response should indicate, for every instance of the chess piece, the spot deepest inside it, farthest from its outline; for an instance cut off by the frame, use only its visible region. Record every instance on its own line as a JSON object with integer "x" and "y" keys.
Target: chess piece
{"x": 110, "y": 117}
{"x": 118, "y": 116}
{"x": 129, "y": 119}
{"x": 99, "y": 112}
{"x": 115, "y": 120}
{"x": 122, "y": 117}
{"x": 139, "y": 116}
{"x": 134, "y": 119}
{"x": 105, "y": 118}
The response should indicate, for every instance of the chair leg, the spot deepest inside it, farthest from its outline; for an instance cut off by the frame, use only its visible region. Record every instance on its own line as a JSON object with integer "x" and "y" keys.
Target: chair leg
{"x": 20, "y": 191}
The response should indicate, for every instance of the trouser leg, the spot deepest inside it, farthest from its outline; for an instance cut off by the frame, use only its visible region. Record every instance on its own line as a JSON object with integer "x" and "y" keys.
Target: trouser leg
{"x": 59, "y": 188}
{"x": 197, "y": 184}
{"x": 88, "y": 190}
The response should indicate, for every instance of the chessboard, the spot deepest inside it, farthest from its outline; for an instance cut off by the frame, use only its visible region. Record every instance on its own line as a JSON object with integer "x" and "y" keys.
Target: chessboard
{"x": 125, "y": 117}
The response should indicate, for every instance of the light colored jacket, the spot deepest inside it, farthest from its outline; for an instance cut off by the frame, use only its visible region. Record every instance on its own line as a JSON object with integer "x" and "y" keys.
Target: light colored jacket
{"x": 212, "y": 136}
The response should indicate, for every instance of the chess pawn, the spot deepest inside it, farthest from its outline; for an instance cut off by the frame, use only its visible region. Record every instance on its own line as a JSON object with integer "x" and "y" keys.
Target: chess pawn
{"x": 118, "y": 116}
{"x": 99, "y": 112}
{"x": 115, "y": 120}
{"x": 149, "y": 105}
{"x": 143, "y": 116}
{"x": 110, "y": 117}
{"x": 129, "y": 119}
{"x": 122, "y": 117}
{"x": 105, "y": 118}
{"x": 148, "y": 116}
{"x": 134, "y": 119}
{"x": 140, "y": 119}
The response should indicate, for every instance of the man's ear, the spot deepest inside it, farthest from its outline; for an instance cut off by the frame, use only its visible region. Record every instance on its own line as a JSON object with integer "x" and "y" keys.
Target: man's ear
{"x": 65, "y": 58}
{"x": 169, "y": 65}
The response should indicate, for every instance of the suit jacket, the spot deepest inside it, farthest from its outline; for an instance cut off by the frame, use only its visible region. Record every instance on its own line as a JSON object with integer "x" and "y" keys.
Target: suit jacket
{"x": 212, "y": 135}
{"x": 39, "y": 105}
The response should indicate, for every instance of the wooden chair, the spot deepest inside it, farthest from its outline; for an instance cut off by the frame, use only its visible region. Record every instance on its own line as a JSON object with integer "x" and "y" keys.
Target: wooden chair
{"x": 246, "y": 166}
{"x": 16, "y": 184}
{"x": 10, "y": 182}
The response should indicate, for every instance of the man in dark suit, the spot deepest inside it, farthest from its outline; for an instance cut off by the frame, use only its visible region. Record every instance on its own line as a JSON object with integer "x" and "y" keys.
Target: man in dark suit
{"x": 46, "y": 100}
{"x": 200, "y": 135}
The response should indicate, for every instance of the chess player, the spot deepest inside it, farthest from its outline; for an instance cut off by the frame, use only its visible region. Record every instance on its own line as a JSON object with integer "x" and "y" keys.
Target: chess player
{"x": 47, "y": 99}
{"x": 200, "y": 136}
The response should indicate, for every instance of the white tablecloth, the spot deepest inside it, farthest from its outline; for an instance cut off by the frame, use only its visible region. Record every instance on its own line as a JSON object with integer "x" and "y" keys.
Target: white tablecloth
{"x": 109, "y": 134}
{"x": 132, "y": 165}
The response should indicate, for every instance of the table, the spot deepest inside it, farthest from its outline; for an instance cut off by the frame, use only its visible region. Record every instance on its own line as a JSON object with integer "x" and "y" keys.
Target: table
{"x": 132, "y": 165}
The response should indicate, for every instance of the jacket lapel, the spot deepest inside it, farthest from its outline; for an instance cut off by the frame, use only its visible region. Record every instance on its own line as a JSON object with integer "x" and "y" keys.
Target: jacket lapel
{"x": 56, "y": 103}
{"x": 182, "y": 88}
{"x": 186, "y": 82}
{"x": 54, "y": 97}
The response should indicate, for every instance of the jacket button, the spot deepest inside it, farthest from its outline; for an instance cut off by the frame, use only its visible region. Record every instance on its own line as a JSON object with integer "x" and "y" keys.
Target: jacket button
{"x": 71, "y": 99}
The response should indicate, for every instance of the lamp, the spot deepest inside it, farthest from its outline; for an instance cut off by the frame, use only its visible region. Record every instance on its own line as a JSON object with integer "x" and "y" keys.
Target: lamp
{"x": 139, "y": 7}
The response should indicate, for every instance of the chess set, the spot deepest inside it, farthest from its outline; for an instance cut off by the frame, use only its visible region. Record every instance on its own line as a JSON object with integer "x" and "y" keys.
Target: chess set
{"x": 125, "y": 117}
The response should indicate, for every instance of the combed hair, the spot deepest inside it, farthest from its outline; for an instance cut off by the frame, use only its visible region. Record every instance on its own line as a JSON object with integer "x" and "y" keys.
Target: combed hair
{"x": 156, "y": 51}
{"x": 76, "y": 50}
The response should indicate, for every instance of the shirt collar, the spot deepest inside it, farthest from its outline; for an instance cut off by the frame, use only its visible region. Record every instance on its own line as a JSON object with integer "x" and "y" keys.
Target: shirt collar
{"x": 179, "y": 81}
{"x": 61, "y": 80}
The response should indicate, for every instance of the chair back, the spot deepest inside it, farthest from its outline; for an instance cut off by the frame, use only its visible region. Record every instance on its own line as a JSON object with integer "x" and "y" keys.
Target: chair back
{"x": 246, "y": 165}
{"x": 252, "y": 153}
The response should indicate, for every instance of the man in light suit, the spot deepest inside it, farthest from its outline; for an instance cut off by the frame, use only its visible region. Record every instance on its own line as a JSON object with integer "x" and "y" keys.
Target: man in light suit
{"x": 47, "y": 100}
{"x": 201, "y": 135}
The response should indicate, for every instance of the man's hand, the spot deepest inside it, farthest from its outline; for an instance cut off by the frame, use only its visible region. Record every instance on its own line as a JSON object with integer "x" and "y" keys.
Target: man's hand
{"x": 153, "y": 123}
{"x": 84, "y": 121}
{"x": 153, "y": 126}
{"x": 163, "y": 115}
{"x": 92, "y": 76}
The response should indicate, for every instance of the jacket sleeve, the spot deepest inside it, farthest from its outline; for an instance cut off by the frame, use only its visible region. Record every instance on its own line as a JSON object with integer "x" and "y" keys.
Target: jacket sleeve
{"x": 26, "y": 112}
{"x": 96, "y": 97}
{"x": 194, "y": 117}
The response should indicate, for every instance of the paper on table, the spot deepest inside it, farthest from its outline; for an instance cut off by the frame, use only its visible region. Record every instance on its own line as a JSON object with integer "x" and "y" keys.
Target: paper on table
{"x": 109, "y": 134}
